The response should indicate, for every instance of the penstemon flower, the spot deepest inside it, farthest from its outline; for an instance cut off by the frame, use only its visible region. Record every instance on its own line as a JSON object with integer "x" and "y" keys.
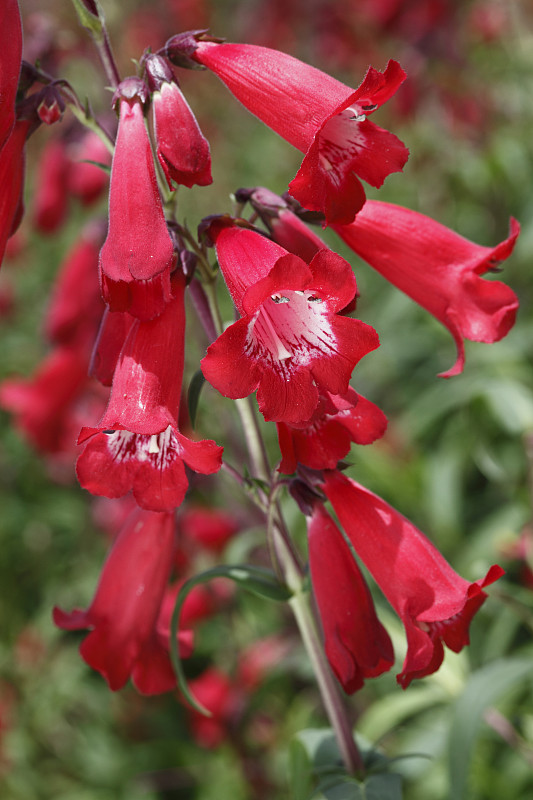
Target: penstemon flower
{"x": 137, "y": 257}
{"x": 434, "y": 603}
{"x": 10, "y": 60}
{"x": 319, "y": 115}
{"x": 182, "y": 149}
{"x": 356, "y": 643}
{"x": 291, "y": 340}
{"x": 138, "y": 444}
{"x": 124, "y": 640}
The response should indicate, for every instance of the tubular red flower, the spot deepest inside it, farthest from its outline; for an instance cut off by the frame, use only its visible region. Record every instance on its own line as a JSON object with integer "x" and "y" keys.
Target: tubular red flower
{"x": 320, "y": 116}
{"x": 123, "y": 615}
{"x": 10, "y": 60}
{"x": 356, "y": 643}
{"x": 291, "y": 340}
{"x": 182, "y": 149}
{"x": 137, "y": 444}
{"x": 439, "y": 269}
{"x": 12, "y": 160}
{"x": 322, "y": 441}
{"x": 137, "y": 257}
{"x": 434, "y": 603}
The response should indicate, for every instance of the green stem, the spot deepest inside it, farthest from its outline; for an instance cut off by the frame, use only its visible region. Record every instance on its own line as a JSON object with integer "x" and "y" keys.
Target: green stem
{"x": 326, "y": 682}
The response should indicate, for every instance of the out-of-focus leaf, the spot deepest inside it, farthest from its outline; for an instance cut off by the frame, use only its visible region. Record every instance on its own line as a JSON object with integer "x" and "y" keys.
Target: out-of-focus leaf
{"x": 483, "y": 689}
{"x": 257, "y": 580}
{"x": 193, "y": 395}
{"x": 512, "y": 405}
{"x": 299, "y": 771}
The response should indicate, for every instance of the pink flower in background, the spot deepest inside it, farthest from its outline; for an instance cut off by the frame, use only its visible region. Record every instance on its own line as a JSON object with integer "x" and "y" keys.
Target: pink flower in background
{"x": 10, "y": 59}
{"x": 291, "y": 340}
{"x": 439, "y": 269}
{"x": 182, "y": 149}
{"x": 124, "y": 641}
{"x": 323, "y": 440}
{"x": 137, "y": 444}
{"x": 319, "y": 115}
{"x": 87, "y": 181}
{"x": 138, "y": 256}
{"x": 356, "y": 643}
{"x": 434, "y": 603}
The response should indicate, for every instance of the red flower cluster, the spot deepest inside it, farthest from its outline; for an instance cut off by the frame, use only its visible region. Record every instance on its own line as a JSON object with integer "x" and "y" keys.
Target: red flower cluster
{"x": 293, "y": 342}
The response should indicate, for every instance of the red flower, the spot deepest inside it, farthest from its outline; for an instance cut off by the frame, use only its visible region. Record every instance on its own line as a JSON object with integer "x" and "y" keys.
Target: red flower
{"x": 86, "y": 180}
{"x": 123, "y": 615}
{"x": 10, "y": 59}
{"x": 439, "y": 269}
{"x": 12, "y": 159}
{"x": 138, "y": 445}
{"x": 434, "y": 603}
{"x": 323, "y": 440}
{"x": 76, "y": 305}
{"x": 182, "y": 149}
{"x": 319, "y": 115}
{"x": 356, "y": 643}
{"x": 208, "y": 528}
{"x": 137, "y": 256}
{"x": 290, "y": 341}
{"x": 213, "y": 690}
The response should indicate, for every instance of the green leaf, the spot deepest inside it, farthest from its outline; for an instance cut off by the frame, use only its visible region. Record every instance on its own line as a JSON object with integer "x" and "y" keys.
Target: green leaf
{"x": 483, "y": 689}
{"x": 258, "y": 580}
{"x": 103, "y": 167}
{"x": 88, "y": 19}
{"x": 376, "y": 787}
{"x": 300, "y": 778}
{"x": 193, "y": 395}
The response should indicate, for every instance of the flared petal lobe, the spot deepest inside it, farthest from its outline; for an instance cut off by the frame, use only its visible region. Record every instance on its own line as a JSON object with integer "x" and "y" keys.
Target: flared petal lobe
{"x": 327, "y": 437}
{"x": 320, "y": 116}
{"x": 137, "y": 256}
{"x": 291, "y": 341}
{"x": 439, "y": 269}
{"x": 356, "y": 643}
{"x": 124, "y": 612}
{"x": 434, "y": 603}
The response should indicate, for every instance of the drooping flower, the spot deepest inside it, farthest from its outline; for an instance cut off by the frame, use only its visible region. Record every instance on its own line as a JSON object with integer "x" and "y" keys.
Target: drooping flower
{"x": 10, "y": 59}
{"x": 322, "y": 441}
{"x": 12, "y": 161}
{"x": 182, "y": 149}
{"x": 138, "y": 444}
{"x": 76, "y": 306}
{"x": 137, "y": 257}
{"x": 434, "y": 603}
{"x": 356, "y": 643}
{"x": 322, "y": 117}
{"x": 124, "y": 640}
{"x": 291, "y": 341}
{"x": 439, "y": 269}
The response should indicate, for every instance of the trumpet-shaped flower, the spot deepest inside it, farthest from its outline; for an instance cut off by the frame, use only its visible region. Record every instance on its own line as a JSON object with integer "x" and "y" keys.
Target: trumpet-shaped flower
{"x": 356, "y": 643}
{"x": 137, "y": 257}
{"x": 322, "y": 117}
{"x": 10, "y": 60}
{"x": 137, "y": 444}
{"x": 434, "y": 603}
{"x": 124, "y": 640}
{"x": 291, "y": 340}
{"x": 323, "y": 440}
{"x": 182, "y": 149}
{"x": 439, "y": 269}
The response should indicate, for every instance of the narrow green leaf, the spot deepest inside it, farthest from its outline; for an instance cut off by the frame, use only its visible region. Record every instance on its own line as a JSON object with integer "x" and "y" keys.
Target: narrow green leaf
{"x": 258, "y": 580}
{"x": 482, "y": 690}
{"x": 103, "y": 167}
{"x": 193, "y": 395}
{"x": 300, "y": 777}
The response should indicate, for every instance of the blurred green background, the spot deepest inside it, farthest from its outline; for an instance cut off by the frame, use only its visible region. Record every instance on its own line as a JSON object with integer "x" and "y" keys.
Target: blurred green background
{"x": 457, "y": 458}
